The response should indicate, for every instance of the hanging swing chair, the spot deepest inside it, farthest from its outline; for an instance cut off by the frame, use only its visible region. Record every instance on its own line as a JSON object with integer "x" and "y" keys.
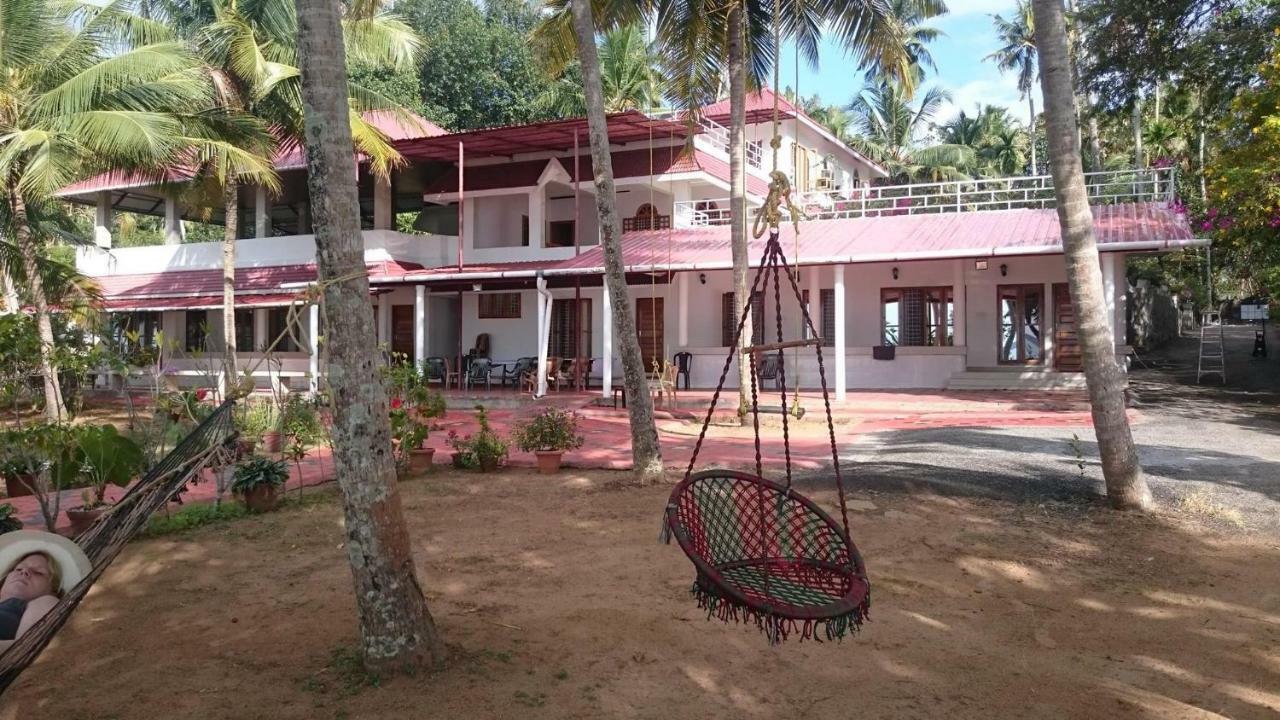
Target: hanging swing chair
{"x": 763, "y": 552}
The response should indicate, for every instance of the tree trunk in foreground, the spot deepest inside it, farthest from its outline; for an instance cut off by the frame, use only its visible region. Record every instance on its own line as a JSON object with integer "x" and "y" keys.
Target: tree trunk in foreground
{"x": 738, "y": 200}
{"x": 54, "y": 409}
{"x": 1126, "y": 487}
{"x": 395, "y": 626}
{"x": 231, "y": 207}
{"x": 646, "y": 452}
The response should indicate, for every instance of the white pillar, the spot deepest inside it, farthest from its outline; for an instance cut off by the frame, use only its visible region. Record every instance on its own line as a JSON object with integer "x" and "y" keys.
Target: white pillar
{"x": 1048, "y": 316}
{"x": 606, "y": 343}
{"x": 838, "y": 285}
{"x": 543, "y": 298}
{"x": 1109, "y": 289}
{"x": 384, "y": 318}
{"x": 958, "y": 309}
{"x": 102, "y": 220}
{"x": 261, "y": 213}
{"x": 1121, "y": 275}
{"x": 536, "y": 217}
{"x": 260, "y": 330}
{"x": 313, "y": 338}
{"x": 682, "y": 323}
{"x": 419, "y": 324}
{"x": 174, "y": 233}
{"x": 815, "y": 300}
{"x": 383, "y": 207}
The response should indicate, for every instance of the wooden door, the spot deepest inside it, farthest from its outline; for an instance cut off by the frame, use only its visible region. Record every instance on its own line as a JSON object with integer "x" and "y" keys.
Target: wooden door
{"x": 402, "y": 331}
{"x": 650, "y": 330}
{"x": 1066, "y": 345}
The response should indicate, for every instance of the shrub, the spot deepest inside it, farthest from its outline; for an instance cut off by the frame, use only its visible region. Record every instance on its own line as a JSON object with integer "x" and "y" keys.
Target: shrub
{"x": 485, "y": 447}
{"x": 550, "y": 430}
{"x": 258, "y": 471}
{"x": 9, "y": 520}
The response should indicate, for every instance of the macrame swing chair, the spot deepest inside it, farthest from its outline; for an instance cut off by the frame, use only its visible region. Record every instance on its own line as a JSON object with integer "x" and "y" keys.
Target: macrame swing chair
{"x": 764, "y": 553}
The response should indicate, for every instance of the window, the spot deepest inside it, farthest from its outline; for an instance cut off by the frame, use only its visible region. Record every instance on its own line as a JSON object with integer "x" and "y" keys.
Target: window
{"x": 827, "y": 298}
{"x": 197, "y": 330}
{"x": 917, "y": 316}
{"x": 500, "y": 306}
{"x": 729, "y": 320}
{"x": 244, "y": 331}
{"x": 144, "y": 324}
{"x": 524, "y": 231}
{"x": 564, "y": 313}
{"x": 277, "y": 320}
{"x": 560, "y": 233}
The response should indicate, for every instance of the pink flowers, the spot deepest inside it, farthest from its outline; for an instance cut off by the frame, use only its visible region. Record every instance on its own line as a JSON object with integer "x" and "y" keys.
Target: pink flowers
{"x": 396, "y": 403}
{"x": 201, "y": 394}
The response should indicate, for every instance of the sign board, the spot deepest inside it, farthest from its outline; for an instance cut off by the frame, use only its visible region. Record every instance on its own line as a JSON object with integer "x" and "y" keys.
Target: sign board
{"x": 1254, "y": 312}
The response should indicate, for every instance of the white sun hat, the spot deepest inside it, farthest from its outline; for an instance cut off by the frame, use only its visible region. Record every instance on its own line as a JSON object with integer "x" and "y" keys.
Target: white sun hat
{"x": 72, "y": 561}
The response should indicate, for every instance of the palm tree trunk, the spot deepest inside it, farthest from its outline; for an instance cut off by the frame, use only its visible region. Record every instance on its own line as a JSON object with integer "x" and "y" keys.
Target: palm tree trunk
{"x": 54, "y": 409}
{"x": 1126, "y": 487}
{"x": 11, "y": 304}
{"x": 1095, "y": 142}
{"x": 646, "y": 452}
{"x": 1031, "y": 130}
{"x": 738, "y": 197}
{"x": 231, "y": 206}
{"x": 1137, "y": 131}
{"x": 396, "y": 628}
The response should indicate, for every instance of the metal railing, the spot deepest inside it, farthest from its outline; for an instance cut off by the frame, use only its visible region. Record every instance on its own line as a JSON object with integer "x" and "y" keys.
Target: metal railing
{"x": 714, "y": 136}
{"x": 1013, "y": 193}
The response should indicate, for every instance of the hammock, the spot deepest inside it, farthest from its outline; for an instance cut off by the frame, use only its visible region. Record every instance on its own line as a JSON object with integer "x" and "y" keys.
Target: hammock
{"x": 209, "y": 444}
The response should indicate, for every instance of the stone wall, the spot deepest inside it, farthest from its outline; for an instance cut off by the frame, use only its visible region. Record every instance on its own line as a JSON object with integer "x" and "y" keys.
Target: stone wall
{"x": 1154, "y": 316}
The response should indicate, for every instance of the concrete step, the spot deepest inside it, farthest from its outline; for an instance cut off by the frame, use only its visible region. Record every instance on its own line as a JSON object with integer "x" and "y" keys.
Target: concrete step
{"x": 1015, "y": 379}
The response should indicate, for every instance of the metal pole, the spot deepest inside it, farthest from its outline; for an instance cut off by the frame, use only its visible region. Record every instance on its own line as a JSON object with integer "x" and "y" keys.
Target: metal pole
{"x": 461, "y": 217}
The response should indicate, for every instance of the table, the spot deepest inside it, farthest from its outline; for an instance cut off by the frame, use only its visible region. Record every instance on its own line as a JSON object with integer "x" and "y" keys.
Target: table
{"x": 620, "y": 389}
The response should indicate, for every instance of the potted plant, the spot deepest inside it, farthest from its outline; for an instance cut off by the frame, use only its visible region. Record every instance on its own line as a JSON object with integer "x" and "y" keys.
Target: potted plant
{"x": 408, "y": 437}
{"x": 548, "y": 435}
{"x": 9, "y": 520}
{"x": 256, "y": 481}
{"x": 102, "y": 457}
{"x": 253, "y": 420}
{"x": 484, "y": 449}
{"x": 20, "y": 463}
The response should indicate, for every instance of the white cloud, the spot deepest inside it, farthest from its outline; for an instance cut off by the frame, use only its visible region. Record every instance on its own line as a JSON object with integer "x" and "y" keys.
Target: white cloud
{"x": 961, "y": 8}
{"x": 995, "y": 89}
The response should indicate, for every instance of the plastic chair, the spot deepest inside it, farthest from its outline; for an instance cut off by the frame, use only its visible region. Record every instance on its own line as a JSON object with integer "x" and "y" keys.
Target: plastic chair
{"x": 683, "y": 361}
{"x": 480, "y": 371}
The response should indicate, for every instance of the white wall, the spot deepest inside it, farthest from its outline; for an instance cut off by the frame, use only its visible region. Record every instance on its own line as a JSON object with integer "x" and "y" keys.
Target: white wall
{"x": 498, "y": 221}
{"x": 560, "y": 207}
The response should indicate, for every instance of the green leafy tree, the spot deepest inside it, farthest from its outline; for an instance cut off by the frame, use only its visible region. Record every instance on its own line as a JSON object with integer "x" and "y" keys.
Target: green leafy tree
{"x": 628, "y": 72}
{"x": 1018, "y": 54}
{"x": 88, "y": 88}
{"x": 888, "y": 128}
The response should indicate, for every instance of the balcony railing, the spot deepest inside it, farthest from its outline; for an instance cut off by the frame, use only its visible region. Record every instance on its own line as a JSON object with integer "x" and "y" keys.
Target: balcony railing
{"x": 1013, "y": 193}
{"x": 715, "y": 136}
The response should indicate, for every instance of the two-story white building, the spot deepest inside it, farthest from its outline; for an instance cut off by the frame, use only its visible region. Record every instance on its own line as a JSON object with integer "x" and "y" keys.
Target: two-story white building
{"x": 958, "y": 278}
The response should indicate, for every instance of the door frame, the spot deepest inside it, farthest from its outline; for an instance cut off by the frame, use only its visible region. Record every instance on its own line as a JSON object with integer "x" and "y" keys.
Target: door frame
{"x": 1022, "y": 289}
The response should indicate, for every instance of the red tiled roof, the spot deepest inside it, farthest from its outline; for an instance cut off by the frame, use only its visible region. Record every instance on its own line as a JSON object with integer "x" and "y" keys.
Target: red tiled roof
{"x": 198, "y": 283}
{"x": 626, "y": 164}
{"x": 904, "y": 237}
{"x": 759, "y": 108}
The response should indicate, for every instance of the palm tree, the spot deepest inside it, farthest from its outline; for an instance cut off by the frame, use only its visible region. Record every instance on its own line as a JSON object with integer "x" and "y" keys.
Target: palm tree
{"x": 88, "y": 88}
{"x": 887, "y": 128}
{"x": 1003, "y": 152}
{"x": 910, "y": 15}
{"x": 1126, "y": 487}
{"x": 249, "y": 48}
{"x": 396, "y": 628}
{"x": 1019, "y": 55}
{"x": 628, "y": 73}
{"x": 1164, "y": 139}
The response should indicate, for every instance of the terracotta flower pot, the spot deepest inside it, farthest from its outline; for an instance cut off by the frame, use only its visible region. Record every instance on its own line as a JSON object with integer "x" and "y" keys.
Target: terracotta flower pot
{"x": 245, "y": 446}
{"x": 549, "y": 461}
{"x": 18, "y": 486}
{"x": 421, "y": 459}
{"x": 488, "y": 464}
{"x": 271, "y": 441}
{"x": 259, "y": 499}
{"x": 83, "y": 519}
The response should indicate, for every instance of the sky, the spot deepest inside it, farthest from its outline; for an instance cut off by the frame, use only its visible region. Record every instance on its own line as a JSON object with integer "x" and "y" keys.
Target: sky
{"x": 968, "y": 38}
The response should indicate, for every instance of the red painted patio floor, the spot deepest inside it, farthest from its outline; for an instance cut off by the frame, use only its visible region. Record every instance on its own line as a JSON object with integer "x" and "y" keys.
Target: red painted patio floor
{"x": 607, "y": 433}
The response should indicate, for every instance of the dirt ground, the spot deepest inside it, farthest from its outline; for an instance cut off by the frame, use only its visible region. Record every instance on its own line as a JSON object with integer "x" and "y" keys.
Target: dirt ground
{"x": 558, "y": 602}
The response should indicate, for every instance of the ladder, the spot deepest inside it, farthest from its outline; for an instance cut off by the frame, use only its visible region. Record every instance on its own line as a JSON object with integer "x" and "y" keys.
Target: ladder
{"x": 1212, "y": 358}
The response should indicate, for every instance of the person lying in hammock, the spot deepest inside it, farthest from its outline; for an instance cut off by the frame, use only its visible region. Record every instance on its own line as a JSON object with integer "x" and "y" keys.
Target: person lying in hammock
{"x": 40, "y": 567}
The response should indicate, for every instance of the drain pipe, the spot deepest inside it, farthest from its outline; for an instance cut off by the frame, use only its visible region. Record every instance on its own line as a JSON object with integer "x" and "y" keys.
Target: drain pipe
{"x": 544, "y": 332}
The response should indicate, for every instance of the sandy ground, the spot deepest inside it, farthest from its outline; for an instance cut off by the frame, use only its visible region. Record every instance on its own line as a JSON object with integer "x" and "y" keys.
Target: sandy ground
{"x": 557, "y": 602}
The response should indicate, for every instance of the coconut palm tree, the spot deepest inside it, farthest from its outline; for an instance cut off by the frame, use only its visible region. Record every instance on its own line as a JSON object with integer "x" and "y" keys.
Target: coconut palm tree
{"x": 1019, "y": 55}
{"x": 87, "y": 88}
{"x": 888, "y": 128}
{"x": 628, "y": 73}
{"x": 249, "y": 48}
{"x": 917, "y": 36}
{"x": 396, "y": 628}
{"x": 1126, "y": 486}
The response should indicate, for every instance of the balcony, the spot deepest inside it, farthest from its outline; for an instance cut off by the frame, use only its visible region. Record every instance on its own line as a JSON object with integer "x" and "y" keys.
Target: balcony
{"x": 380, "y": 245}
{"x": 1012, "y": 193}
